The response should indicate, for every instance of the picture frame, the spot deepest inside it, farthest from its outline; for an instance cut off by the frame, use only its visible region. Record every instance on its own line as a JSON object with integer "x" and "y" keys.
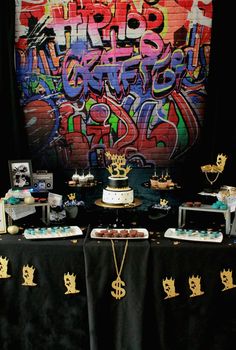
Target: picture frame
{"x": 21, "y": 174}
{"x": 3, "y": 228}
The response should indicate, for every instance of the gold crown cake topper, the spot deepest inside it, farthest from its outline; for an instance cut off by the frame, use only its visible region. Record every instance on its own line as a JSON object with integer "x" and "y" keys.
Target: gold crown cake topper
{"x": 215, "y": 168}
{"x": 118, "y": 167}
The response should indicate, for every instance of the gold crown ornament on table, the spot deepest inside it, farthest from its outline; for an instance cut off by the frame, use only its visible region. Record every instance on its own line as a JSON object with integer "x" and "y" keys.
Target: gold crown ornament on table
{"x": 217, "y": 168}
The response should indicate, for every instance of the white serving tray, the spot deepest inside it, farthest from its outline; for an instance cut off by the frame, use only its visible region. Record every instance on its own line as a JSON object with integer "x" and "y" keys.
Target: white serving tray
{"x": 52, "y": 232}
{"x": 194, "y": 235}
{"x": 95, "y": 233}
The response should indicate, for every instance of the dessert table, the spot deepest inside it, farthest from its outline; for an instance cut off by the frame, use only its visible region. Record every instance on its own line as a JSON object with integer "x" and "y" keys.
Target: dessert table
{"x": 178, "y": 294}
{"x": 41, "y": 314}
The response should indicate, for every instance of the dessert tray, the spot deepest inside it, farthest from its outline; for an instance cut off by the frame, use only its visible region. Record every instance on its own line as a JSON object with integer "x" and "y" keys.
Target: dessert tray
{"x": 194, "y": 235}
{"x": 119, "y": 233}
{"x": 147, "y": 184}
{"x": 89, "y": 184}
{"x": 52, "y": 232}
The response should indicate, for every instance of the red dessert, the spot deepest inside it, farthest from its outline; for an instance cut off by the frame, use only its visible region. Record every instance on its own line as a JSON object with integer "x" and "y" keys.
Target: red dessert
{"x": 124, "y": 233}
{"x": 140, "y": 234}
{"x": 109, "y": 233}
{"x": 101, "y": 233}
{"x": 133, "y": 233}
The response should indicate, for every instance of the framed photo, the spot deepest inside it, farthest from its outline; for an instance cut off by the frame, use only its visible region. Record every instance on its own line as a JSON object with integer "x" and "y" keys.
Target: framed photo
{"x": 21, "y": 175}
{"x": 3, "y": 228}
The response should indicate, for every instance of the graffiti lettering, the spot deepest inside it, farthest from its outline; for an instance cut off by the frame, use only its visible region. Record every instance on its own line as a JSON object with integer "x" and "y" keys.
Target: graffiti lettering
{"x": 117, "y": 77}
{"x": 96, "y": 21}
{"x": 89, "y": 71}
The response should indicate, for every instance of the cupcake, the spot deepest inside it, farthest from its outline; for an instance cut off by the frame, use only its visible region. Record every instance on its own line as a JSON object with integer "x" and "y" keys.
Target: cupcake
{"x": 82, "y": 180}
{"x": 154, "y": 180}
{"x": 169, "y": 180}
{"x": 75, "y": 177}
{"x": 162, "y": 183}
{"x": 90, "y": 178}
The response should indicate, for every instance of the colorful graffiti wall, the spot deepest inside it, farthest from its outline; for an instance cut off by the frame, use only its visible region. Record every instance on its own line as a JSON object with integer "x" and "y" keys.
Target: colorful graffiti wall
{"x": 128, "y": 76}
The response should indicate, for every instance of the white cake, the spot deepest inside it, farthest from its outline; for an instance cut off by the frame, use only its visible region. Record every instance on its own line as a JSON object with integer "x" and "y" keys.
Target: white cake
{"x": 118, "y": 191}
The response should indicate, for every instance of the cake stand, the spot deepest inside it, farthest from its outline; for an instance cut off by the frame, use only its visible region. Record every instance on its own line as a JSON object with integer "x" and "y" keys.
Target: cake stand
{"x": 83, "y": 190}
{"x": 160, "y": 210}
{"x": 137, "y": 202}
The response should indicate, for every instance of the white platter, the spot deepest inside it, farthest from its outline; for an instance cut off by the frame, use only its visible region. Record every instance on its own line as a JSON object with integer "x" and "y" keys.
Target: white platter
{"x": 96, "y": 231}
{"x": 194, "y": 235}
{"x": 52, "y": 232}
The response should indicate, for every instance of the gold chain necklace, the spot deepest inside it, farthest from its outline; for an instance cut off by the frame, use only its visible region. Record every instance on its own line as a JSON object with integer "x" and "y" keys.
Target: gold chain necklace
{"x": 118, "y": 283}
{"x": 212, "y": 181}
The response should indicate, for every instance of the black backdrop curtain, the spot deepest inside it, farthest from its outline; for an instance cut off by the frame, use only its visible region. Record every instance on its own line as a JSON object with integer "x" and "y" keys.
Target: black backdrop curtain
{"x": 219, "y": 130}
{"x": 218, "y": 135}
{"x": 13, "y": 138}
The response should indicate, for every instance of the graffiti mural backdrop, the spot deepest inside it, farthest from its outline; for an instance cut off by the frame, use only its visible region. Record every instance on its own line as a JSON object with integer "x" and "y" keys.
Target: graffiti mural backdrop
{"x": 125, "y": 76}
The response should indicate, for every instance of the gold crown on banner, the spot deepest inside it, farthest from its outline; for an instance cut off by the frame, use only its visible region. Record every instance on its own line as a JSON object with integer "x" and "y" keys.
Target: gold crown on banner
{"x": 215, "y": 168}
{"x": 118, "y": 167}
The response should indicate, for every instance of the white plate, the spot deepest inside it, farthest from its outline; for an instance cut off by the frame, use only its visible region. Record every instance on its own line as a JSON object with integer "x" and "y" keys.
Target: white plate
{"x": 72, "y": 231}
{"x": 94, "y": 232}
{"x": 193, "y": 235}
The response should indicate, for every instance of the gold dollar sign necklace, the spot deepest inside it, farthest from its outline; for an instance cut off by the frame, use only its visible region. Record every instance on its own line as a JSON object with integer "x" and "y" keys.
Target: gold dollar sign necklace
{"x": 118, "y": 283}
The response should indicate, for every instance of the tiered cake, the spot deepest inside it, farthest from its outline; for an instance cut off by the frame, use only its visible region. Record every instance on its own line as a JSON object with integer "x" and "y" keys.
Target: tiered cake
{"x": 117, "y": 190}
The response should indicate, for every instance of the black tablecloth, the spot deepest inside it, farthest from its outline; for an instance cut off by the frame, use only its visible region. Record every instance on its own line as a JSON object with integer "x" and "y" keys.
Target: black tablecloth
{"x": 202, "y": 318}
{"x": 43, "y": 316}
{"x": 116, "y": 323}
{"x": 179, "y": 295}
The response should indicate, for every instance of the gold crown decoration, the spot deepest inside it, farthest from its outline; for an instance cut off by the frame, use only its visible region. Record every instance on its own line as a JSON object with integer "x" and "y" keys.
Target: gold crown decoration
{"x": 70, "y": 283}
{"x": 4, "y": 267}
{"x": 215, "y": 168}
{"x": 163, "y": 202}
{"x": 28, "y": 275}
{"x": 71, "y": 196}
{"x": 118, "y": 167}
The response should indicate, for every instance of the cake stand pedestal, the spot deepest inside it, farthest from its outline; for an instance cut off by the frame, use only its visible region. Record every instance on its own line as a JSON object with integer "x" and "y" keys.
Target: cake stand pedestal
{"x": 157, "y": 210}
{"x": 137, "y": 202}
